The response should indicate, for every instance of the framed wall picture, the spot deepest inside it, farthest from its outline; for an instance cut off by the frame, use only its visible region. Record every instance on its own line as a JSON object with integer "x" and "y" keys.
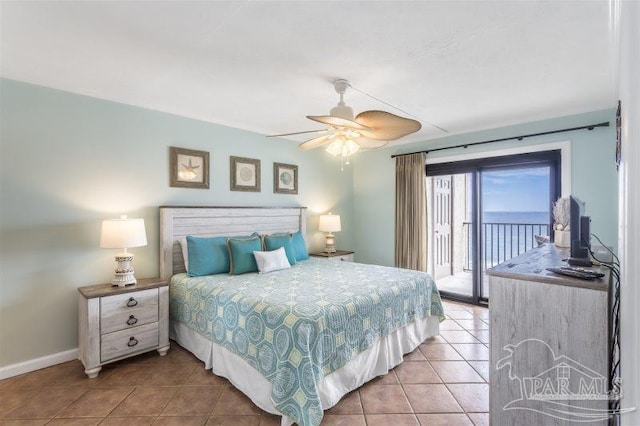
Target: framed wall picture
{"x": 285, "y": 178}
{"x": 245, "y": 174}
{"x": 188, "y": 168}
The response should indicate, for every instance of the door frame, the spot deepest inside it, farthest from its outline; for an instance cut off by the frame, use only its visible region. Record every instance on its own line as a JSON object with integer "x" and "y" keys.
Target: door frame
{"x": 469, "y": 154}
{"x": 475, "y": 166}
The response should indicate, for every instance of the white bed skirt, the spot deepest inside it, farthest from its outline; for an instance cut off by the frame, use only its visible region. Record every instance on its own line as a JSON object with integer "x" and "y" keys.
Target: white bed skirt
{"x": 383, "y": 356}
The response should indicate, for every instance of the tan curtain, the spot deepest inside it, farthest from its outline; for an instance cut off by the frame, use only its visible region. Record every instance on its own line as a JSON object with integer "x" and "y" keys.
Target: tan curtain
{"x": 411, "y": 212}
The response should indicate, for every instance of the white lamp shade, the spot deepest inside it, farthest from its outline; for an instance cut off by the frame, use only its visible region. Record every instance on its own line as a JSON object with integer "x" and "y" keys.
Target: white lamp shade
{"x": 329, "y": 223}
{"x": 123, "y": 233}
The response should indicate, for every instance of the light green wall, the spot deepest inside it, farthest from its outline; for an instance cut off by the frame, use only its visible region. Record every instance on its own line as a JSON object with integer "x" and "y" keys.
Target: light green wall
{"x": 593, "y": 176}
{"x": 68, "y": 162}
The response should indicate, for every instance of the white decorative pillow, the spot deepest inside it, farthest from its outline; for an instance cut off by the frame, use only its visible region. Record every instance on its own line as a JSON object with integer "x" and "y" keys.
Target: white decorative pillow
{"x": 269, "y": 261}
{"x": 185, "y": 253}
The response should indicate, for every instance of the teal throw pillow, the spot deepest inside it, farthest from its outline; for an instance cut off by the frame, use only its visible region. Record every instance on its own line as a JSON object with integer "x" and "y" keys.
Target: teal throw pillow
{"x": 275, "y": 241}
{"x": 207, "y": 255}
{"x": 241, "y": 254}
{"x": 299, "y": 246}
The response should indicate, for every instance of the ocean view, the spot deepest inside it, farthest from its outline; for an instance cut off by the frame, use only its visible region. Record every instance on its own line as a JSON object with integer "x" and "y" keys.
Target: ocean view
{"x": 516, "y": 217}
{"x": 507, "y": 234}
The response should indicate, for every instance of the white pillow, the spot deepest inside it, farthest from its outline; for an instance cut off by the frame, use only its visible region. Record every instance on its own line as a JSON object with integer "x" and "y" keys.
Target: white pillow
{"x": 269, "y": 261}
{"x": 185, "y": 253}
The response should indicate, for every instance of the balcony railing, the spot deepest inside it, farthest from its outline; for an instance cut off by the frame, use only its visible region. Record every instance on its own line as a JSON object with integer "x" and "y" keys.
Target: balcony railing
{"x": 501, "y": 241}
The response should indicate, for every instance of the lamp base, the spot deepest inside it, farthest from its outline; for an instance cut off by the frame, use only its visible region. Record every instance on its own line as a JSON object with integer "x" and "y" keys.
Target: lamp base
{"x": 124, "y": 272}
{"x": 330, "y": 246}
{"x": 122, "y": 280}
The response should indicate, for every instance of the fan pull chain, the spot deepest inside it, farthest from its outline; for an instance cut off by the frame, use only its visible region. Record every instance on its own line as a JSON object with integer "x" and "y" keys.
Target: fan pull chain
{"x": 342, "y": 163}
{"x": 399, "y": 109}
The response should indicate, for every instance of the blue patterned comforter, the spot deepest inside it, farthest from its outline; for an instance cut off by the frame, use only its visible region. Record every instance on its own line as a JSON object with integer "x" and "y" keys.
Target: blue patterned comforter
{"x": 297, "y": 325}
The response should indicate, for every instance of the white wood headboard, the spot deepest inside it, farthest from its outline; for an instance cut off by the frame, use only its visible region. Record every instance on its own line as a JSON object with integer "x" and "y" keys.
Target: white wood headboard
{"x": 176, "y": 222}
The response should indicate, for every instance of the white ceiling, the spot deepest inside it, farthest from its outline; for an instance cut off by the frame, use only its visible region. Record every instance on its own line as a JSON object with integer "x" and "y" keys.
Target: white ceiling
{"x": 264, "y": 65}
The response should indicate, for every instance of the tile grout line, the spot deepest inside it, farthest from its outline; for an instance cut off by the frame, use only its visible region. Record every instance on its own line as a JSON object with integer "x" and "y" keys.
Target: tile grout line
{"x": 123, "y": 399}
{"x": 67, "y": 406}
{"x": 224, "y": 388}
{"x": 170, "y": 399}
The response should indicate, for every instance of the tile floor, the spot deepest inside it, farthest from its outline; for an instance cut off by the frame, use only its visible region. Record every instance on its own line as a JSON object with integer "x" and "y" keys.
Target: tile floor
{"x": 443, "y": 382}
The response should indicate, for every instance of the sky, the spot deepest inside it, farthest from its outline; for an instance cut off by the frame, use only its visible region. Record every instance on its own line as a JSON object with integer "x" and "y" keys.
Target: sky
{"x": 516, "y": 190}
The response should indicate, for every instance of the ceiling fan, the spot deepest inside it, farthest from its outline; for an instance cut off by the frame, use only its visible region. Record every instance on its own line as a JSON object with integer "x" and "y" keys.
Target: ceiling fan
{"x": 347, "y": 134}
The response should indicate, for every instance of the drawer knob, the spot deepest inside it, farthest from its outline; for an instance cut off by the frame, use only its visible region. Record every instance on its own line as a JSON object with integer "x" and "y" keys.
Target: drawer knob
{"x": 132, "y": 342}
{"x": 132, "y": 320}
{"x": 132, "y": 302}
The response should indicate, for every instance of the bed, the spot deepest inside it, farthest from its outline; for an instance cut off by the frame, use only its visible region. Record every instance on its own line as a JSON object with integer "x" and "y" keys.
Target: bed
{"x": 295, "y": 341}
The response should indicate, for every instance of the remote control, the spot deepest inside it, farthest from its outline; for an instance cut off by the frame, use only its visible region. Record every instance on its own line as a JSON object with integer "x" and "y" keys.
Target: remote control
{"x": 585, "y": 270}
{"x": 581, "y": 273}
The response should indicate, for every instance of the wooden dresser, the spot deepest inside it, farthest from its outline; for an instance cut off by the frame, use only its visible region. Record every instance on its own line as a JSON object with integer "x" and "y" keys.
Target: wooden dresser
{"x": 119, "y": 322}
{"x": 549, "y": 342}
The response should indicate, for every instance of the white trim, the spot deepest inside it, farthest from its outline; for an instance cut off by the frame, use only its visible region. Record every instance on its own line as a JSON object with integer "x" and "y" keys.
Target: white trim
{"x": 629, "y": 205}
{"x": 38, "y": 363}
{"x": 563, "y": 146}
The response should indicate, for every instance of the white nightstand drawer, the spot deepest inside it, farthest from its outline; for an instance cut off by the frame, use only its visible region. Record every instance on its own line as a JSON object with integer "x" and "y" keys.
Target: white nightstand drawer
{"x": 134, "y": 317}
{"x": 126, "y": 302}
{"x": 126, "y": 342}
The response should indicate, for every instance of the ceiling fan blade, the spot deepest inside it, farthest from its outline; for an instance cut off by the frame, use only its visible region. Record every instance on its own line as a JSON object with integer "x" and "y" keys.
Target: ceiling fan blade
{"x": 367, "y": 144}
{"x": 314, "y": 143}
{"x": 338, "y": 122}
{"x": 297, "y": 133}
{"x": 386, "y": 126}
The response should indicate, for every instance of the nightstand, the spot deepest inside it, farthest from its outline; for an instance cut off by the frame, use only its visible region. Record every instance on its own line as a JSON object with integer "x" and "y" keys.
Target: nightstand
{"x": 343, "y": 255}
{"x": 120, "y": 322}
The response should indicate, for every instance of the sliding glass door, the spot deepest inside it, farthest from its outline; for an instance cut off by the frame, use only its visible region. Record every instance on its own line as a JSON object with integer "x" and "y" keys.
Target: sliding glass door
{"x": 484, "y": 212}
{"x": 516, "y": 207}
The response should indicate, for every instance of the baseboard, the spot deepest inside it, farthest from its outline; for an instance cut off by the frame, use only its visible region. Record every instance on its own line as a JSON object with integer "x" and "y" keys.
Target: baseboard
{"x": 38, "y": 363}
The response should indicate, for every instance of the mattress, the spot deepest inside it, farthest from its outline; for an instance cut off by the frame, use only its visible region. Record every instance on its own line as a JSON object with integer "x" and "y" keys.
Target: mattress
{"x": 298, "y": 325}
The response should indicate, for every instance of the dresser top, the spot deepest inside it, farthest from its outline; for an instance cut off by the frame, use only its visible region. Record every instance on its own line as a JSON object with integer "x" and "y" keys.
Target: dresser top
{"x": 532, "y": 266}
{"x": 100, "y": 290}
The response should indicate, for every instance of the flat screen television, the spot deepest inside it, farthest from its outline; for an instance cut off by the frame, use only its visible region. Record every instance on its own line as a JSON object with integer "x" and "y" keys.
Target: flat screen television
{"x": 580, "y": 234}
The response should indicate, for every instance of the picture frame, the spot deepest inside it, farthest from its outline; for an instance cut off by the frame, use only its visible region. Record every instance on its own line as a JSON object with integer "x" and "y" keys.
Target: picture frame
{"x": 188, "y": 168}
{"x": 285, "y": 178}
{"x": 245, "y": 174}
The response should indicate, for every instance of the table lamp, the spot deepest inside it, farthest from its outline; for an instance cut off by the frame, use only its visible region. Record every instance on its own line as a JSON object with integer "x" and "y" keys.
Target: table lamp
{"x": 330, "y": 223}
{"x": 123, "y": 233}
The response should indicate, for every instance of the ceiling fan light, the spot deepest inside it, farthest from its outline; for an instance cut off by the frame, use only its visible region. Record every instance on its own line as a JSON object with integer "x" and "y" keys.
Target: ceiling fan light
{"x": 342, "y": 148}
{"x": 349, "y": 148}
{"x": 335, "y": 148}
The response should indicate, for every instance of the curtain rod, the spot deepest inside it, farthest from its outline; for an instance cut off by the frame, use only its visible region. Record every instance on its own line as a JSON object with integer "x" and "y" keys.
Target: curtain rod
{"x": 465, "y": 145}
